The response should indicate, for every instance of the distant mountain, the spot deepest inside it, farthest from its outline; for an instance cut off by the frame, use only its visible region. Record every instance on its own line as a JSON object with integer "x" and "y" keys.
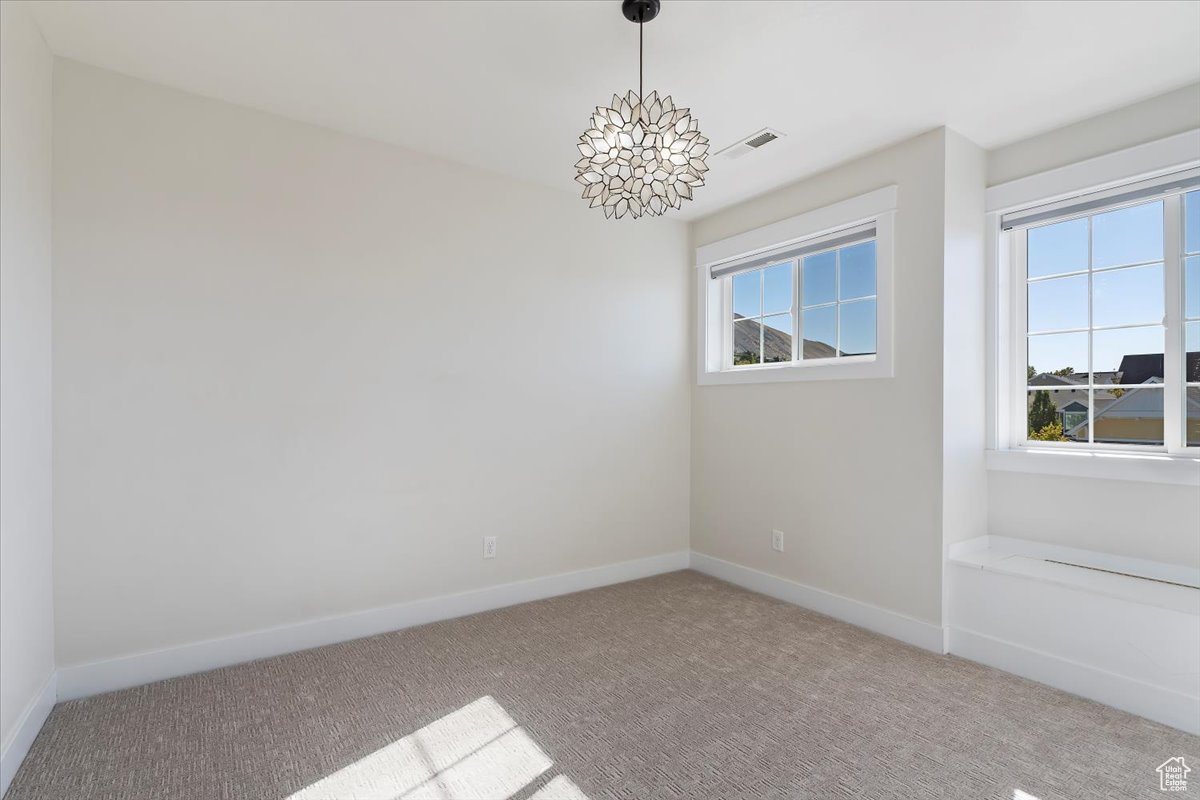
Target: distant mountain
{"x": 777, "y": 345}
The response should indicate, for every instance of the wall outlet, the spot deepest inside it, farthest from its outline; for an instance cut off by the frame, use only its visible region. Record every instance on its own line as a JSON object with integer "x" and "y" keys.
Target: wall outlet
{"x": 489, "y": 547}
{"x": 777, "y": 540}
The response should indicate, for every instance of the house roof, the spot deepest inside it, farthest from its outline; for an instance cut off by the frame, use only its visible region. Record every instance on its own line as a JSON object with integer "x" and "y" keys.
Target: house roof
{"x": 1138, "y": 402}
{"x": 1144, "y": 366}
{"x": 1052, "y": 380}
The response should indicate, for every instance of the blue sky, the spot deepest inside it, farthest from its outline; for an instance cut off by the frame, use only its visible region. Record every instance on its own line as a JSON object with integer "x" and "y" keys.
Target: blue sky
{"x": 1121, "y": 294}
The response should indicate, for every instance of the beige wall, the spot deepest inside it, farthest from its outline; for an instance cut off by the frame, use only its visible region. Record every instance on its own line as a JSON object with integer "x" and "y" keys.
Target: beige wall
{"x": 300, "y": 373}
{"x": 1143, "y": 520}
{"x": 281, "y": 354}
{"x": 850, "y": 471}
{"x": 26, "y": 596}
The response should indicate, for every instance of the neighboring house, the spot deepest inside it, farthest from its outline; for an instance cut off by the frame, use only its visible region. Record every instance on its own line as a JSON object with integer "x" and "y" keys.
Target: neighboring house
{"x": 1072, "y": 414}
{"x": 1052, "y": 381}
{"x": 1122, "y": 414}
{"x": 1141, "y": 368}
{"x": 1069, "y": 396}
{"x": 1136, "y": 417}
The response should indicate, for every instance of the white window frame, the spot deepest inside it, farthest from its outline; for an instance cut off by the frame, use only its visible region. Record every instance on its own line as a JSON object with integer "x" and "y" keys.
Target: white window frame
{"x": 1008, "y": 448}
{"x": 714, "y": 340}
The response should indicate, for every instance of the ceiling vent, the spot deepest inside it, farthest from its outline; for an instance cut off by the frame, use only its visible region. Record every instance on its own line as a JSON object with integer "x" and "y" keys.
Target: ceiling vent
{"x": 754, "y": 141}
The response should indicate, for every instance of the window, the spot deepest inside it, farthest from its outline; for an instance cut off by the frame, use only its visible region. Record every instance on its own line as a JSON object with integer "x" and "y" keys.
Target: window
{"x": 802, "y": 299}
{"x": 834, "y": 290}
{"x": 1107, "y": 311}
{"x": 762, "y": 315}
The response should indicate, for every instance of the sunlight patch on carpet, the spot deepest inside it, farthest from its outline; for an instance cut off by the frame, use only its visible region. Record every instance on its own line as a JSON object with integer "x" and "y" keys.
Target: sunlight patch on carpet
{"x": 475, "y": 753}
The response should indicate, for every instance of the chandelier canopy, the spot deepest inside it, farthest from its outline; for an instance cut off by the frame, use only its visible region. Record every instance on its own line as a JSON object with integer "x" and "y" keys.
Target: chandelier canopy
{"x": 641, "y": 154}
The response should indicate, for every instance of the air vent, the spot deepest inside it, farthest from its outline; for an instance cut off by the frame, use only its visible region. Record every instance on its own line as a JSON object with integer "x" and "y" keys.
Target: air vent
{"x": 761, "y": 139}
{"x": 748, "y": 145}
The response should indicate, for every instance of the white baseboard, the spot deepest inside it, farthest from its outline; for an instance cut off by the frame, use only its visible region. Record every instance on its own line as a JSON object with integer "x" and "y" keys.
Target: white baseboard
{"x": 880, "y": 620}
{"x": 1152, "y": 702}
{"x": 26, "y": 730}
{"x": 120, "y": 673}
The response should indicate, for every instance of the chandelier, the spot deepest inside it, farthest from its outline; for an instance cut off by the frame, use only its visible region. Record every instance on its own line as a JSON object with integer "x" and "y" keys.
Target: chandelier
{"x": 641, "y": 154}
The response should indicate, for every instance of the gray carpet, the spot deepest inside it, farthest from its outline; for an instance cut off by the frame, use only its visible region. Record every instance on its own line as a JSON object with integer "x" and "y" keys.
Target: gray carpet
{"x": 678, "y": 686}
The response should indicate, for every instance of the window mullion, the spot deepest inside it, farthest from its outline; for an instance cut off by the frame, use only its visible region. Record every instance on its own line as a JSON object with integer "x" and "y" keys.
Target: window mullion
{"x": 797, "y": 343}
{"x": 1091, "y": 355}
{"x": 762, "y": 309}
{"x": 727, "y": 321}
{"x": 1019, "y": 411}
{"x": 1174, "y": 394}
{"x": 837, "y": 300}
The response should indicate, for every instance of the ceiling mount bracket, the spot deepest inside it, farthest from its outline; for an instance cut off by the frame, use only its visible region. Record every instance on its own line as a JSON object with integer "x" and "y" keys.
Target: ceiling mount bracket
{"x": 640, "y": 10}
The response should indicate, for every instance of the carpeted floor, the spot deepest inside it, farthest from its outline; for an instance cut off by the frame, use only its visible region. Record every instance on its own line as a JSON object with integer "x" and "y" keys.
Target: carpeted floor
{"x": 678, "y": 686}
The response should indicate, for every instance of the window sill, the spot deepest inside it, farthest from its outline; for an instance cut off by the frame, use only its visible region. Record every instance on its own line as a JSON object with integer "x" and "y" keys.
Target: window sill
{"x": 847, "y": 368}
{"x": 1147, "y": 467}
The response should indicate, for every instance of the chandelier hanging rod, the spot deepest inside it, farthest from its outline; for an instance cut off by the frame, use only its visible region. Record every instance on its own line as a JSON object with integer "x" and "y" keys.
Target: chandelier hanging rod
{"x": 641, "y": 12}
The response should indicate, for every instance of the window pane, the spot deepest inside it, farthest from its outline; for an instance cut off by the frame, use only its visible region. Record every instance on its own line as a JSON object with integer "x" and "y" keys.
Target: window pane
{"x": 1059, "y": 304}
{"x": 1128, "y": 296}
{"x": 1135, "y": 353}
{"x": 1052, "y": 415}
{"x": 820, "y": 332}
{"x": 858, "y": 328}
{"x": 1128, "y": 235}
{"x": 858, "y": 271}
{"x": 1129, "y": 416}
{"x": 777, "y": 338}
{"x": 746, "y": 347}
{"x": 1055, "y": 249}
{"x": 1191, "y": 283}
{"x": 820, "y": 276}
{"x": 777, "y": 289}
{"x": 1193, "y": 417}
{"x": 747, "y": 297}
{"x": 1191, "y": 222}
{"x": 1058, "y": 354}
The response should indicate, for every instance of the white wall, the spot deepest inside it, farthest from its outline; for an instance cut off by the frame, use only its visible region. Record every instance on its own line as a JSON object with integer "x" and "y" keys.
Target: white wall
{"x": 299, "y": 373}
{"x": 964, "y": 368}
{"x": 1142, "y": 520}
{"x": 26, "y": 611}
{"x": 1156, "y": 521}
{"x": 1153, "y": 118}
{"x": 850, "y": 471}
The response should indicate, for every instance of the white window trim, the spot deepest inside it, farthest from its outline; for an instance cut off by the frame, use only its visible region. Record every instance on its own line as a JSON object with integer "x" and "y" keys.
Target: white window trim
{"x": 879, "y": 207}
{"x": 1006, "y": 450}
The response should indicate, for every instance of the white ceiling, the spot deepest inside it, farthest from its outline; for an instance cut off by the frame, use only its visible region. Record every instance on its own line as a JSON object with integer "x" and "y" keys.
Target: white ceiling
{"x": 508, "y": 86}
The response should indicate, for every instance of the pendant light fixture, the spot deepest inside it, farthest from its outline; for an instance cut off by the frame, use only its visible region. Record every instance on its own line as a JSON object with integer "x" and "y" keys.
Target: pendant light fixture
{"x": 641, "y": 154}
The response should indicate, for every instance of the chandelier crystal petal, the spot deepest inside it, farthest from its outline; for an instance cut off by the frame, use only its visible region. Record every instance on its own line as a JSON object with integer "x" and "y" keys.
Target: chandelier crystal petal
{"x": 641, "y": 154}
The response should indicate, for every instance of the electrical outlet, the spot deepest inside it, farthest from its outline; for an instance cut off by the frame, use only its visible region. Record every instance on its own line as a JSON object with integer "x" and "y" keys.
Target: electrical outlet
{"x": 489, "y": 547}
{"x": 777, "y": 540}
